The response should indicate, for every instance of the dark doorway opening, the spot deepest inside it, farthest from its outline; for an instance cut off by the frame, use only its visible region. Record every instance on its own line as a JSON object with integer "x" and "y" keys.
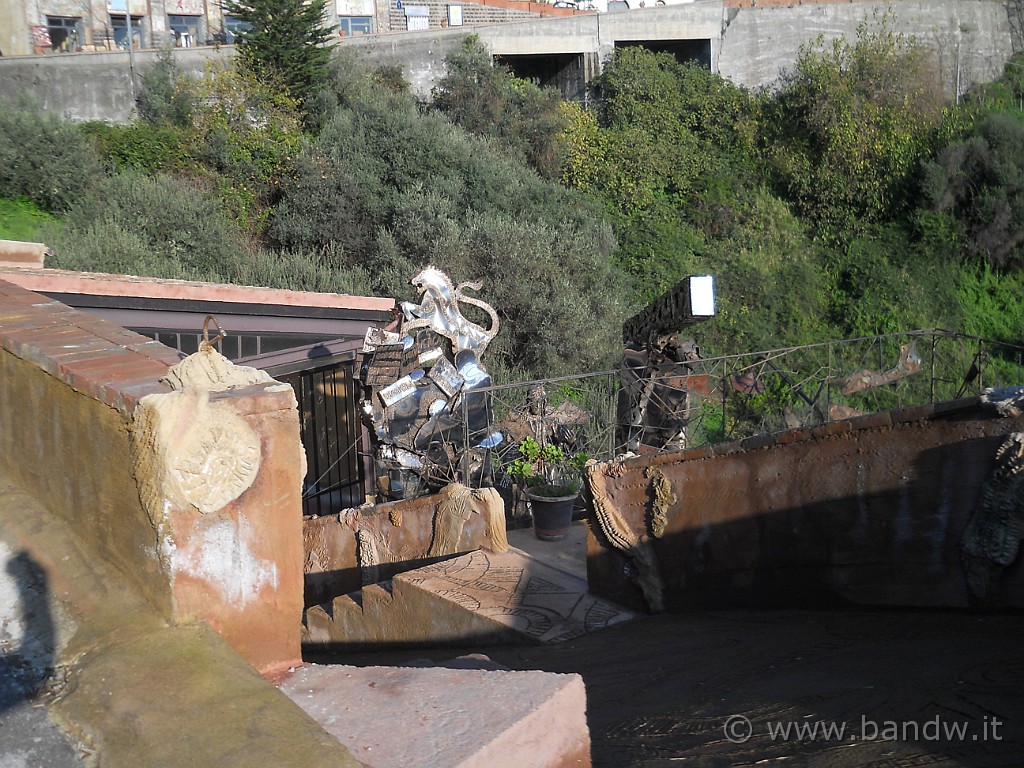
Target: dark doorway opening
{"x": 684, "y": 51}
{"x": 563, "y": 71}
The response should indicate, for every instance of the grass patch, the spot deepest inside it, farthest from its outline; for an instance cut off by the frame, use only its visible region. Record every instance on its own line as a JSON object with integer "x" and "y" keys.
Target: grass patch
{"x": 22, "y": 220}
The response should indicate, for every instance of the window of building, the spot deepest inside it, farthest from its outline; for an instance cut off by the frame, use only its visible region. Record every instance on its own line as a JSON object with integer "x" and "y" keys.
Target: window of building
{"x": 66, "y": 33}
{"x": 355, "y": 25}
{"x": 417, "y": 17}
{"x": 234, "y": 28}
{"x": 120, "y": 26}
{"x": 187, "y": 30}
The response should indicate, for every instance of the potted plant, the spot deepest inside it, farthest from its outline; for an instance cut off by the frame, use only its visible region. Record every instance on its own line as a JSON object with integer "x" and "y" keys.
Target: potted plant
{"x": 550, "y": 478}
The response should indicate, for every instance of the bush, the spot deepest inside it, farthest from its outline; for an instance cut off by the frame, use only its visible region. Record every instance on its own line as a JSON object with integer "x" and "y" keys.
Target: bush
{"x": 321, "y": 203}
{"x": 181, "y": 228}
{"x": 248, "y": 134}
{"x": 140, "y": 146}
{"x": 323, "y": 271}
{"x": 486, "y": 99}
{"x": 106, "y": 245}
{"x": 980, "y": 183}
{"x": 428, "y": 192}
{"x": 847, "y": 129}
{"x": 165, "y": 96}
{"x": 43, "y": 158}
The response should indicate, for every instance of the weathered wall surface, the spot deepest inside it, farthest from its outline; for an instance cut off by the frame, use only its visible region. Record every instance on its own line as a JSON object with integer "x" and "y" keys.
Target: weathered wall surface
{"x": 196, "y": 545}
{"x": 751, "y": 44}
{"x": 14, "y": 39}
{"x": 869, "y": 511}
{"x": 91, "y": 86}
{"x": 971, "y": 38}
{"x": 70, "y": 448}
{"x": 362, "y": 546}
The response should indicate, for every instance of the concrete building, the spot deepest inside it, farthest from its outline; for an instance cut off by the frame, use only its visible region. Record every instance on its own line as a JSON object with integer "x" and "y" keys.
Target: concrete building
{"x": 71, "y": 26}
{"x": 748, "y": 43}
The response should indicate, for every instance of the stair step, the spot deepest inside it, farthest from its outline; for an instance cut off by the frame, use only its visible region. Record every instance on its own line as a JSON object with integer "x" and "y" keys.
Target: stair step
{"x": 403, "y": 717}
{"x": 479, "y": 598}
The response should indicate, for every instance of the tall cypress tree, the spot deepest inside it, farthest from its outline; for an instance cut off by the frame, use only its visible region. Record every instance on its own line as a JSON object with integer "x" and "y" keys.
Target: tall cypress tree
{"x": 286, "y": 42}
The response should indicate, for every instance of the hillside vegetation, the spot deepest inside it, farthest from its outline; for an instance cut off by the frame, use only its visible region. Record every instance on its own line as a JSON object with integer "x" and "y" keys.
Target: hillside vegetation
{"x": 851, "y": 199}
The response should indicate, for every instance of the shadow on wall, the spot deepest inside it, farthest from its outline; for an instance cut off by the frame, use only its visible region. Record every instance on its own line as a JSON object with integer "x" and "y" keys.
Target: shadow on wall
{"x": 735, "y": 542}
{"x": 27, "y": 632}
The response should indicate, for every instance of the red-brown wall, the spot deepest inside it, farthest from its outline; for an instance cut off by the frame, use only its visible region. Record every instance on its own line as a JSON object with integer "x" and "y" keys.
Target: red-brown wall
{"x": 69, "y": 387}
{"x": 863, "y": 512}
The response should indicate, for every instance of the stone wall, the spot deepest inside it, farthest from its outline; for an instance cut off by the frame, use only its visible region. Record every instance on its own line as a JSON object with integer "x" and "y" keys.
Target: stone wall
{"x": 72, "y": 388}
{"x": 373, "y": 543}
{"x": 865, "y": 512}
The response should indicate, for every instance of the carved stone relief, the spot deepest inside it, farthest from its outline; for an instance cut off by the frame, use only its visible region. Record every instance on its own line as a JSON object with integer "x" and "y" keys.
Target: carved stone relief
{"x": 992, "y": 538}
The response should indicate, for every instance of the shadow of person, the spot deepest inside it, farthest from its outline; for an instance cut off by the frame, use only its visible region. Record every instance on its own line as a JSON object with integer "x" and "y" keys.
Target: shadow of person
{"x": 27, "y": 632}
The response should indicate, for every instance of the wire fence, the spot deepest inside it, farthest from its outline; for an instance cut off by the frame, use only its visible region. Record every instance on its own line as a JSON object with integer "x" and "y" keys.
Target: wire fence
{"x": 736, "y": 396}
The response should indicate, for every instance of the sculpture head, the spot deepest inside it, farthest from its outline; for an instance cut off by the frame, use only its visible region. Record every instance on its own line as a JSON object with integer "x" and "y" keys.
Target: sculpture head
{"x": 430, "y": 277}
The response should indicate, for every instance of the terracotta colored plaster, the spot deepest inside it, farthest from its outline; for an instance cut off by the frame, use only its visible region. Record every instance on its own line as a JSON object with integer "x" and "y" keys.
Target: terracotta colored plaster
{"x": 99, "y": 284}
{"x": 69, "y": 386}
{"x": 870, "y": 512}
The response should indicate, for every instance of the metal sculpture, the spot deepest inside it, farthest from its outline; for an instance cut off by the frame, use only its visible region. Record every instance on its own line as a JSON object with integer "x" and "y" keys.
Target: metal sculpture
{"x": 656, "y": 380}
{"x": 420, "y": 393}
{"x": 439, "y": 311}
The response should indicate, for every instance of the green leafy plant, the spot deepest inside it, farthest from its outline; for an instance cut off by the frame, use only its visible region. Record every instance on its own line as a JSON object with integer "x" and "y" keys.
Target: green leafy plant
{"x": 547, "y": 470}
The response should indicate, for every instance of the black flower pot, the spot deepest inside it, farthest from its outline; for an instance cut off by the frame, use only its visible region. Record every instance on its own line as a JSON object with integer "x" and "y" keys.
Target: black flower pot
{"x": 552, "y": 513}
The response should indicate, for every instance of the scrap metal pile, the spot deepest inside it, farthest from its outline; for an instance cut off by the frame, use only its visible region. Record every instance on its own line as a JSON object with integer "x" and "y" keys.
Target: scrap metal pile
{"x": 425, "y": 386}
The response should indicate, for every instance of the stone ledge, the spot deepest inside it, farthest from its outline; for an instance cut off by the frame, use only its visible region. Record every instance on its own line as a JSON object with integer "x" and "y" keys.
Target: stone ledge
{"x": 142, "y": 693}
{"x": 402, "y": 717}
{"x": 95, "y": 357}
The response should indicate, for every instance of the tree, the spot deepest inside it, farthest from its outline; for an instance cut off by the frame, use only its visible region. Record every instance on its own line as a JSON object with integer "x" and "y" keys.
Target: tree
{"x": 285, "y": 42}
{"x": 487, "y": 99}
{"x": 849, "y": 126}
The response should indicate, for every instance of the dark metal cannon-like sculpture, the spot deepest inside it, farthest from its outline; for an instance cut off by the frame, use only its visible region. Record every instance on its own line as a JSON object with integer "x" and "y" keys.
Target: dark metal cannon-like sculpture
{"x": 656, "y": 380}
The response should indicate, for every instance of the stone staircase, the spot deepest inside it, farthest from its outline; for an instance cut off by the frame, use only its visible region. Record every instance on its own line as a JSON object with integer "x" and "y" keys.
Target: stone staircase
{"x": 480, "y": 598}
{"x": 499, "y": 717}
{"x": 416, "y": 717}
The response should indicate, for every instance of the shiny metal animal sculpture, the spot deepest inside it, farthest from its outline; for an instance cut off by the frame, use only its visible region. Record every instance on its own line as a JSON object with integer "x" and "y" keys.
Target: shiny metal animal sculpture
{"x": 439, "y": 310}
{"x": 421, "y": 398}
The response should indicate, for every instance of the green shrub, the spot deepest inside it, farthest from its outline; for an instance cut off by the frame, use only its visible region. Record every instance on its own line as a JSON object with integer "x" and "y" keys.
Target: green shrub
{"x": 247, "y": 133}
{"x": 166, "y": 97}
{"x": 322, "y": 271}
{"x": 177, "y": 222}
{"x": 321, "y": 203}
{"x": 42, "y": 157}
{"x": 848, "y": 127}
{"x": 106, "y": 245}
{"x": 979, "y": 182}
{"x": 486, "y": 99}
{"x": 140, "y": 146}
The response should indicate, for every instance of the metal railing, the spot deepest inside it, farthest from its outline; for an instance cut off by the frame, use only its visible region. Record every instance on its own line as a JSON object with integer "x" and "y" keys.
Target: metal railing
{"x": 737, "y": 396}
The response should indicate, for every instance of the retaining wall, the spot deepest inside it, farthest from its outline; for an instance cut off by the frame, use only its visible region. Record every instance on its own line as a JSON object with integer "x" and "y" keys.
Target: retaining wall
{"x": 752, "y": 43}
{"x": 71, "y": 387}
{"x": 865, "y": 512}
